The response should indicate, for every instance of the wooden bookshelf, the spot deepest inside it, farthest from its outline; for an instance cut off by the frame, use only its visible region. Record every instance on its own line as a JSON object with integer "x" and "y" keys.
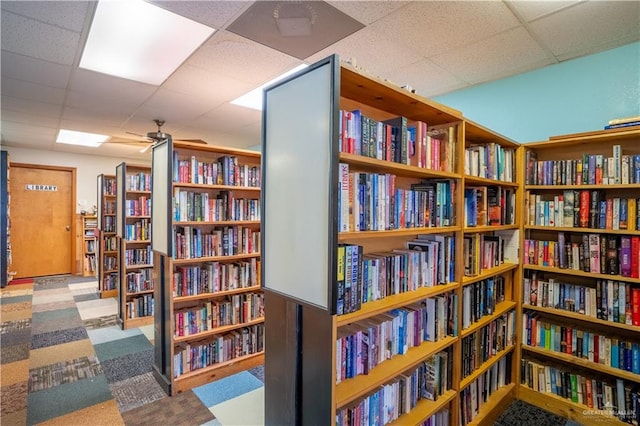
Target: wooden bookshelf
{"x": 107, "y": 242}
{"x": 206, "y": 243}
{"x": 133, "y": 228}
{"x": 89, "y": 228}
{"x": 572, "y": 184}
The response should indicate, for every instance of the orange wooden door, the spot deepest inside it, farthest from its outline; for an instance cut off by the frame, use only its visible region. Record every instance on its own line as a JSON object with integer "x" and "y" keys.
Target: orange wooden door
{"x": 42, "y": 224}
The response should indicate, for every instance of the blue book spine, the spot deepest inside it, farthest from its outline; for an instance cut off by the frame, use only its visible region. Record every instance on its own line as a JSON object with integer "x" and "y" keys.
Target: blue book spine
{"x": 636, "y": 168}
{"x": 615, "y": 356}
{"x": 602, "y": 214}
{"x": 635, "y": 358}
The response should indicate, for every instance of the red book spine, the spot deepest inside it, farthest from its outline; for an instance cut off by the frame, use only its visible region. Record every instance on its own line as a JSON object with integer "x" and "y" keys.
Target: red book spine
{"x": 569, "y": 340}
{"x": 589, "y": 394}
{"x": 635, "y": 306}
{"x": 635, "y": 259}
{"x": 584, "y": 209}
{"x": 596, "y": 347}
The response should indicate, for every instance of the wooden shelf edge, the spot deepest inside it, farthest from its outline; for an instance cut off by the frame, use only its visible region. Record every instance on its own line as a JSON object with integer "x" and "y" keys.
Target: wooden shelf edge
{"x": 585, "y": 363}
{"x": 581, "y": 230}
{"x": 404, "y": 232}
{"x": 216, "y": 331}
{"x": 478, "y": 180}
{"x": 397, "y": 168}
{"x": 351, "y": 389}
{"x": 104, "y": 294}
{"x": 215, "y": 259}
{"x": 204, "y": 296}
{"x": 215, "y": 187}
{"x": 565, "y": 408}
{"x": 128, "y": 323}
{"x": 424, "y": 409}
{"x": 501, "y": 308}
{"x": 579, "y": 187}
{"x": 489, "y": 228}
{"x": 376, "y": 307}
{"x": 485, "y": 366}
{"x": 488, "y": 273}
{"x": 215, "y": 222}
{"x": 579, "y": 273}
{"x": 494, "y": 407}
{"x": 581, "y": 317}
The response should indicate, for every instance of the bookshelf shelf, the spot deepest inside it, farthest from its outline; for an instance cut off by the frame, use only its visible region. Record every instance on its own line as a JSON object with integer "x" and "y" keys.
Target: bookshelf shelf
{"x": 489, "y": 228}
{"x": 347, "y": 236}
{"x": 578, "y": 273}
{"x": 424, "y": 409}
{"x": 581, "y": 317}
{"x": 475, "y": 180}
{"x": 585, "y": 363}
{"x": 354, "y": 388}
{"x": 497, "y": 403}
{"x": 579, "y": 187}
{"x": 108, "y": 257}
{"x": 181, "y": 195}
{"x": 501, "y": 308}
{"x": 405, "y": 170}
{"x": 582, "y": 230}
{"x": 485, "y": 366}
{"x": 487, "y": 273}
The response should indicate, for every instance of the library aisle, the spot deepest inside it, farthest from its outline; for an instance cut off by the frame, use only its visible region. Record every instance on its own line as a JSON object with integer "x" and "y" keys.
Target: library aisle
{"x": 64, "y": 360}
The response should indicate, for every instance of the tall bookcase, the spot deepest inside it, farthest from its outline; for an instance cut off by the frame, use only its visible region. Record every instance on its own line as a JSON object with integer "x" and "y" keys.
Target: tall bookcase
{"x": 133, "y": 229}
{"x": 209, "y": 319}
{"x": 363, "y": 236}
{"x": 89, "y": 238}
{"x": 581, "y": 288}
{"x": 108, "y": 252}
{"x": 5, "y": 220}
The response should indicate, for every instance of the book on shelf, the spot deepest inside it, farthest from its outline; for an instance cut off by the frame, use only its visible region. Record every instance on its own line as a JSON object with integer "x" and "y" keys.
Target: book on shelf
{"x": 624, "y": 120}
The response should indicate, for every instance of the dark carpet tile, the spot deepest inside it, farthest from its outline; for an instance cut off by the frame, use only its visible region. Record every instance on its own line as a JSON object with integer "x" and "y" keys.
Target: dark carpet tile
{"x": 522, "y": 413}
{"x": 50, "y": 285}
{"x": 100, "y": 322}
{"x": 15, "y": 299}
{"x": 86, "y": 297}
{"x": 182, "y": 409}
{"x": 18, "y": 338}
{"x": 60, "y": 373}
{"x": 58, "y": 337}
{"x": 258, "y": 372}
{"x": 14, "y": 353}
{"x": 13, "y": 398}
{"x": 136, "y": 391}
{"x": 119, "y": 348}
{"x": 13, "y": 326}
{"x": 126, "y": 366}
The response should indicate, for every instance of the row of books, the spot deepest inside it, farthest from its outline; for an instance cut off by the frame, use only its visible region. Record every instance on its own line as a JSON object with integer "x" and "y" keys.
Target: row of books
{"x": 224, "y": 170}
{"x": 612, "y": 351}
{"x": 110, "y": 243}
{"x": 596, "y": 253}
{"x": 591, "y": 169}
{"x": 489, "y": 206}
{"x": 427, "y": 261}
{"x": 139, "y": 207}
{"x": 604, "y": 397}
{"x": 109, "y": 207}
{"x": 90, "y": 246}
{"x": 428, "y": 381}
{"x": 203, "y": 207}
{"x": 481, "y": 345}
{"x": 233, "y": 310}
{"x": 490, "y": 161}
{"x": 374, "y": 202}
{"x": 583, "y": 209}
{"x": 141, "y": 306}
{"x": 237, "y": 343}
{"x": 110, "y": 186}
{"x": 474, "y": 396}
{"x": 109, "y": 224}
{"x": 110, "y": 281}
{"x": 140, "y": 230}
{"x": 214, "y": 277}
{"x": 486, "y": 251}
{"x": 140, "y": 280}
{"x": 138, "y": 182}
{"x": 360, "y": 347}
{"x": 609, "y": 300}
{"x": 110, "y": 263}
{"x": 398, "y": 140}
{"x": 191, "y": 242}
{"x": 480, "y": 299}
{"x": 90, "y": 262}
{"x": 138, "y": 256}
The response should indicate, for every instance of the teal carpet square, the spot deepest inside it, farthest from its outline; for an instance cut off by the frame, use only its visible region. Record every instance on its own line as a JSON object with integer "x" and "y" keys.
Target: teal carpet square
{"x": 227, "y": 388}
{"x": 118, "y": 348}
{"x": 60, "y": 400}
{"x": 68, "y": 313}
{"x": 15, "y": 299}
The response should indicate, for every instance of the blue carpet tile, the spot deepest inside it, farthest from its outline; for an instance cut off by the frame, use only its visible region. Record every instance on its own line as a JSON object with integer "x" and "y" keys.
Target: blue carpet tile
{"x": 57, "y": 401}
{"x": 59, "y": 314}
{"x": 15, "y": 299}
{"x": 227, "y": 388}
{"x": 60, "y": 373}
{"x": 118, "y": 348}
{"x": 58, "y": 337}
{"x": 111, "y": 333}
{"x": 126, "y": 366}
{"x": 17, "y": 338}
{"x": 258, "y": 372}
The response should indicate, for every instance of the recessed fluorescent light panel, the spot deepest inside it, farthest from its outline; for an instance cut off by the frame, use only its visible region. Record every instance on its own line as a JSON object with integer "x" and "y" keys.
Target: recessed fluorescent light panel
{"x": 72, "y": 137}
{"x": 139, "y": 41}
{"x": 253, "y": 99}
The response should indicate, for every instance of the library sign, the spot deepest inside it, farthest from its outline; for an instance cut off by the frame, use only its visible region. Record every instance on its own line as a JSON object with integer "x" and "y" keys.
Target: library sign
{"x": 38, "y": 187}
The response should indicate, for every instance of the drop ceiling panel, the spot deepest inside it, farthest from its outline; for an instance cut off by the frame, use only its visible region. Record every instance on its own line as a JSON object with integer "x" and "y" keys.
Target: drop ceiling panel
{"x": 368, "y": 12}
{"x": 35, "y": 70}
{"x": 77, "y": 118}
{"x": 500, "y": 56}
{"x": 112, "y": 109}
{"x": 428, "y": 79}
{"x": 584, "y": 28}
{"x": 42, "y": 41}
{"x": 530, "y": 10}
{"x": 234, "y": 56}
{"x": 175, "y": 107}
{"x": 34, "y": 107}
{"x": 97, "y": 85}
{"x": 215, "y": 14}
{"x": 31, "y": 91}
{"x": 28, "y": 118}
{"x": 64, "y": 14}
{"x": 434, "y": 27}
{"x": 228, "y": 118}
{"x": 28, "y": 132}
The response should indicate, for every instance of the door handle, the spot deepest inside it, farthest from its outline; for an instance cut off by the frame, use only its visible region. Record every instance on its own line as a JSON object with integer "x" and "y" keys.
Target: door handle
{"x": 68, "y": 228}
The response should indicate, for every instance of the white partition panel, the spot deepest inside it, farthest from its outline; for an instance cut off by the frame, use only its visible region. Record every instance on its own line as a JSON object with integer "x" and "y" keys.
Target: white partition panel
{"x": 161, "y": 190}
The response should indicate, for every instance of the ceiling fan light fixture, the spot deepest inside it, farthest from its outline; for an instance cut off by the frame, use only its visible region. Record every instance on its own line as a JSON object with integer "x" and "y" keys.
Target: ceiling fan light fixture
{"x": 73, "y": 137}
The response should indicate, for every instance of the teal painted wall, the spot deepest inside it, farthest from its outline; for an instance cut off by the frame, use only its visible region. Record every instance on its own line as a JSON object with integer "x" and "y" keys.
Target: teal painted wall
{"x": 570, "y": 97}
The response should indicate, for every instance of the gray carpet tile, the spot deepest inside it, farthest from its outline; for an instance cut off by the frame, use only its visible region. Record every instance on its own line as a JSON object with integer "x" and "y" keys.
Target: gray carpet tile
{"x": 14, "y": 353}
{"x": 86, "y": 297}
{"x": 58, "y": 337}
{"x": 129, "y": 365}
{"x": 118, "y": 348}
{"x": 136, "y": 391}
{"x": 60, "y": 373}
{"x": 14, "y": 326}
{"x": 258, "y": 372}
{"x": 523, "y": 414}
{"x": 17, "y": 338}
{"x": 15, "y": 299}
{"x": 182, "y": 409}
{"x": 41, "y": 327}
{"x": 100, "y": 322}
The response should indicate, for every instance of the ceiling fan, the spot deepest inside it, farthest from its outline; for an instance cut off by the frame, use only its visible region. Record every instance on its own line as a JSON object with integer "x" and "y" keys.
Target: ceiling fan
{"x": 151, "y": 138}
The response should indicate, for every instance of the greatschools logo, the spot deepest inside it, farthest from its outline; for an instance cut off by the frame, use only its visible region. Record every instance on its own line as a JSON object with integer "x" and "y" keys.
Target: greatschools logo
{"x": 609, "y": 410}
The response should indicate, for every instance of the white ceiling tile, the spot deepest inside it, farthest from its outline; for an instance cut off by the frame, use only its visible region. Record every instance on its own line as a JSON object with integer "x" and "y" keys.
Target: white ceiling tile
{"x": 35, "y": 70}
{"x": 236, "y": 57}
{"x": 434, "y": 27}
{"x": 579, "y": 29}
{"x": 531, "y": 10}
{"x": 107, "y": 115}
{"x": 43, "y": 41}
{"x": 228, "y": 118}
{"x": 29, "y": 118}
{"x": 175, "y": 106}
{"x": 426, "y": 78}
{"x": 31, "y": 91}
{"x": 217, "y": 88}
{"x": 64, "y": 14}
{"x": 33, "y": 107}
{"x": 216, "y": 14}
{"x": 367, "y": 12}
{"x": 500, "y": 56}
{"x": 97, "y": 85}
{"x": 26, "y": 133}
